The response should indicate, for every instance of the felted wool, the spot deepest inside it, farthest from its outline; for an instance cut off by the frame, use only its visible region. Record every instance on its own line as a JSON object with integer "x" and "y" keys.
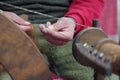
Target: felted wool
{"x": 62, "y": 62}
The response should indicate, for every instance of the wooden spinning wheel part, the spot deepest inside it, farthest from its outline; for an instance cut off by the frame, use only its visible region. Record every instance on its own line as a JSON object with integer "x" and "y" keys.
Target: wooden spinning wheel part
{"x": 99, "y": 40}
{"x": 19, "y": 55}
{"x": 90, "y": 36}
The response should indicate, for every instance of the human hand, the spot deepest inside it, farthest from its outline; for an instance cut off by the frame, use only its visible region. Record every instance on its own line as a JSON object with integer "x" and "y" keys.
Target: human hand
{"x": 60, "y": 32}
{"x": 21, "y": 23}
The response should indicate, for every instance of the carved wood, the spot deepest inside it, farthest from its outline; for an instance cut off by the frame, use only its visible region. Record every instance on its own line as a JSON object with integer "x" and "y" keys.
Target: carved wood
{"x": 19, "y": 55}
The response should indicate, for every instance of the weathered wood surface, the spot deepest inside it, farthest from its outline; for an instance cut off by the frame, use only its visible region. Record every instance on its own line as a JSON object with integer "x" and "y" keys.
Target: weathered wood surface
{"x": 89, "y": 36}
{"x": 19, "y": 55}
{"x": 94, "y": 36}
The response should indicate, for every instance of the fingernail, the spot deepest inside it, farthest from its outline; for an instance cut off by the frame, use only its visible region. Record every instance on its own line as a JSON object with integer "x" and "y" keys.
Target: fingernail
{"x": 27, "y": 22}
{"x": 48, "y": 23}
{"x": 28, "y": 27}
{"x": 51, "y": 27}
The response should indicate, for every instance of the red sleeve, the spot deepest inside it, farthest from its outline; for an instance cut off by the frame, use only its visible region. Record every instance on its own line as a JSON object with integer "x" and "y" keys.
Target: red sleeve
{"x": 84, "y": 11}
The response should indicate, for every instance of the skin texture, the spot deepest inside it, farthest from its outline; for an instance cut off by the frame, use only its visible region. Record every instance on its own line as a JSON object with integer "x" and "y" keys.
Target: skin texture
{"x": 58, "y": 33}
{"x": 21, "y": 23}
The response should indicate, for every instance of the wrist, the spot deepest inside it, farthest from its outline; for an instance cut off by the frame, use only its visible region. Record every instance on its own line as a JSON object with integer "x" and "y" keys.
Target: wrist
{"x": 73, "y": 21}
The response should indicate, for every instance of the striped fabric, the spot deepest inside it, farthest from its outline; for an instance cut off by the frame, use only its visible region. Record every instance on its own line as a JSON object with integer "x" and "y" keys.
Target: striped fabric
{"x": 55, "y": 8}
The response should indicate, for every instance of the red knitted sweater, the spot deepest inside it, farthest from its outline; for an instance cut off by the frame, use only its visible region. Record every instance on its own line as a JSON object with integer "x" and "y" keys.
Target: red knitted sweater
{"x": 84, "y": 11}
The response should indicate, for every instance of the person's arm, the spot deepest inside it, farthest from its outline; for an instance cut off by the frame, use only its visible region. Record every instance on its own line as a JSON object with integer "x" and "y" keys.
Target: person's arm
{"x": 84, "y": 11}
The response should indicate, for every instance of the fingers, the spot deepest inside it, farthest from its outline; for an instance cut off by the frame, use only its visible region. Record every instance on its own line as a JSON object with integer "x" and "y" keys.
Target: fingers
{"x": 63, "y": 33}
{"x": 16, "y": 18}
{"x": 56, "y": 42}
{"x": 60, "y": 32}
{"x": 48, "y": 23}
{"x": 21, "y": 23}
{"x": 59, "y": 35}
{"x": 55, "y": 37}
{"x": 43, "y": 28}
{"x": 47, "y": 27}
{"x": 24, "y": 28}
{"x": 50, "y": 26}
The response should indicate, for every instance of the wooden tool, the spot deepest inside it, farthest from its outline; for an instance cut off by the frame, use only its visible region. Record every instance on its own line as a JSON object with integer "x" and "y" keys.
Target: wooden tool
{"x": 92, "y": 47}
{"x": 19, "y": 55}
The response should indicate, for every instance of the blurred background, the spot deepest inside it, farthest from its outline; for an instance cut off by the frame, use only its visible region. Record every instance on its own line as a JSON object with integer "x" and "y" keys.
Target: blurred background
{"x": 110, "y": 23}
{"x": 118, "y": 5}
{"x": 110, "y": 19}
